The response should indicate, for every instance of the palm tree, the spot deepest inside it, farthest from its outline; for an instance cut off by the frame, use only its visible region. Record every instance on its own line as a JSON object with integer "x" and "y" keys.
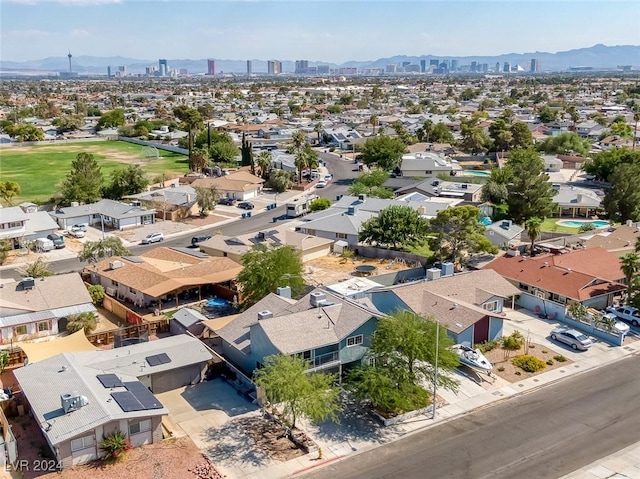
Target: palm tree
{"x": 533, "y": 226}
{"x": 373, "y": 121}
{"x": 318, "y": 129}
{"x": 305, "y": 158}
{"x": 299, "y": 139}
{"x": 199, "y": 159}
{"x": 86, "y": 321}
{"x": 636, "y": 119}
{"x": 264, "y": 162}
{"x": 630, "y": 266}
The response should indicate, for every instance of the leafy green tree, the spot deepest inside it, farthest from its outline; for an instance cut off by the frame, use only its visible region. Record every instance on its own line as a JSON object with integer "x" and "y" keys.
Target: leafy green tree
{"x": 458, "y": 230}
{"x": 192, "y": 121}
{"x": 547, "y": 114}
{"x": 279, "y": 180}
{"x": 395, "y": 226}
{"x": 111, "y": 119}
{"x": 569, "y": 143}
{"x": 383, "y": 151}
{"x": 495, "y": 189}
{"x": 265, "y": 268}
{"x": 319, "y": 204}
{"x": 620, "y": 127}
{"x": 86, "y": 321}
{"x": 24, "y": 132}
{"x": 224, "y": 152}
{"x": 207, "y": 198}
{"x": 622, "y": 200}
{"x": 5, "y": 247}
{"x": 521, "y": 135}
{"x": 474, "y": 139}
{"x": 96, "y": 291}
{"x": 129, "y": 180}
{"x": 602, "y": 164}
{"x": 38, "y": 269}
{"x": 5, "y": 357}
{"x": 264, "y": 162}
{"x": 67, "y": 123}
{"x": 630, "y": 266}
{"x": 371, "y": 184}
{"x": 441, "y": 134}
{"x": 403, "y": 353}
{"x": 83, "y": 182}
{"x": 533, "y": 227}
{"x": 9, "y": 190}
{"x": 530, "y": 191}
{"x": 207, "y": 111}
{"x": 285, "y": 382}
{"x": 94, "y": 251}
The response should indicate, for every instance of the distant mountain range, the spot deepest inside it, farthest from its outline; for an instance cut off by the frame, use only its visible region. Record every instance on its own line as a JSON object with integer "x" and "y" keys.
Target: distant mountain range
{"x": 598, "y": 56}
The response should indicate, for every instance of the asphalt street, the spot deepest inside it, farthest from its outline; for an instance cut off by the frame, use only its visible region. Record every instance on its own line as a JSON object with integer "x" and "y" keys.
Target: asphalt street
{"x": 541, "y": 435}
{"x": 343, "y": 172}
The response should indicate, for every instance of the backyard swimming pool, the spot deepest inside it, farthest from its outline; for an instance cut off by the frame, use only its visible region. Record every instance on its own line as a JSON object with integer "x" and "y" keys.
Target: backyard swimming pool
{"x": 217, "y": 303}
{"x": 475, "y": 173}
{"x": 579, "y": 223}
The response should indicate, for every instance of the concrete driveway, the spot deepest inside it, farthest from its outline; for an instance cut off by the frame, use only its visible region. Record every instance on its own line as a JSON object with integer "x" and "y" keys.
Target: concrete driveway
{"x": 194, "y": 410}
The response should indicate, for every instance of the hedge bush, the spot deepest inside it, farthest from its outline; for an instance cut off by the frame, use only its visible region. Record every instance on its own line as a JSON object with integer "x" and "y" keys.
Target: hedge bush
{"x": 529, "y": 363}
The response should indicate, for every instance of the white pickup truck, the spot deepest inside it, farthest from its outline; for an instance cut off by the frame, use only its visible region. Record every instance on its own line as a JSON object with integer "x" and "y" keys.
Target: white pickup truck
{"x": 626, "y": 313}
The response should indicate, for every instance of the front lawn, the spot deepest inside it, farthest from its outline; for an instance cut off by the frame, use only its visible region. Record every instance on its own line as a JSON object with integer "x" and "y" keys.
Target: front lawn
{"x": 39, "y": 169}
{"x": 550, "y": 225}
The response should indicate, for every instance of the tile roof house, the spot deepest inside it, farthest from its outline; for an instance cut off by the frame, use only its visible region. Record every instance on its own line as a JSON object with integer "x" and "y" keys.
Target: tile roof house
{"x": 329, "y": 331}
{"x": 620, "y": 241}
{"x": 427, "y": 165}
{"x": 79, "y": 398}
{"x": 573, "y": 201}
{"x": 469, "y": 305}
{"x": 161, "y": 275}
{"x": 34, "y": 308}
{"x": 173, "y": 203}
{"x": 552, "y": 282}
{"x": 110, "y": 213}
{"x": 309, "y": 246}
{"x": 240, "y": 185}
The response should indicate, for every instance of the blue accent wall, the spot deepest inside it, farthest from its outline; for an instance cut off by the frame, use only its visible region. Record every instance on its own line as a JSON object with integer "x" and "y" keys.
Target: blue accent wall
{"x": 387, "y": 302}
{"x": 356, "y": 353}
{"x": 261, "y": 345}
{"x": 243, "y": 361}
{"x": 495, "y": 328}
{"x": 464, "y": 336}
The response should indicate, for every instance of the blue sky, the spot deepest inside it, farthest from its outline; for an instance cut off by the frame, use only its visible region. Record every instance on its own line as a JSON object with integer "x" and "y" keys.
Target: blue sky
{"x": 321, "y": 30}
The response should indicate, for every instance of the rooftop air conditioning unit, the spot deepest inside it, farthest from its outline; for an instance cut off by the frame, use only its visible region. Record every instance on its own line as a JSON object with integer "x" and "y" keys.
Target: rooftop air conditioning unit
{"x": 317, "y": 297}
{"x": 116, "y": 264}
{"x": 433, "y": 273}
{"x": 110, "y": 291}
{"x": 72, "y": 401}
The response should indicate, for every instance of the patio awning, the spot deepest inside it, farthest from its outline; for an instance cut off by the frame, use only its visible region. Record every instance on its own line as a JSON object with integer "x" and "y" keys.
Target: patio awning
{"x": 73, "y": 343}
{"x": 173, "y": 284}
{"x": 218, "y": 323}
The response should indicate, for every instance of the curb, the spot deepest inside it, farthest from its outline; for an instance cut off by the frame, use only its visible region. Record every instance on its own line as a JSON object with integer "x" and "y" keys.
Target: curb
{"x": 314, "y": 466}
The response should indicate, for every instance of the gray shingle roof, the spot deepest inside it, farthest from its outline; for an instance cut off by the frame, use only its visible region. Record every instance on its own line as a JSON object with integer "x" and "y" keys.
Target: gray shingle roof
{"x": 114, "y": 209}
{"x": 12, "y": 214}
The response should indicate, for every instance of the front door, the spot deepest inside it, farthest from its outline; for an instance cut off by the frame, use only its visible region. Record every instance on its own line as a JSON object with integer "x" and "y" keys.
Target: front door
{"x": 481, "y": 331}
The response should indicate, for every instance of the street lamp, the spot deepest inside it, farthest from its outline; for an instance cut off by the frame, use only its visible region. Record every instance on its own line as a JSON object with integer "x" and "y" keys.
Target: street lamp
{"x": 435, "y": 374}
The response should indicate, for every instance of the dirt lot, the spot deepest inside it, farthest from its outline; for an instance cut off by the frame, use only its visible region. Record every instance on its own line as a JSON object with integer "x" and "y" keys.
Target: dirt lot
{"x": 333, "y": 269}
{"x": 501, "y": 358}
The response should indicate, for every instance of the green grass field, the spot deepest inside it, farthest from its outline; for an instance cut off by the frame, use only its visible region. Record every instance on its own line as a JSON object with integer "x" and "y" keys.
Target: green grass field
{"x": 40, "y": 169}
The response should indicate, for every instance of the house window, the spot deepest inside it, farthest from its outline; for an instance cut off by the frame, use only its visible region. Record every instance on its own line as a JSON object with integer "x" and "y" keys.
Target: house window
{"x": 20, "y": 330}
{"x": 311, "y": 232}
{"x": 523, "y": 287}
{"x": 138, "y": 427}
{"x": 82, "y": 443}
{"x": 306, "y": 355}
{"x": 15, "y": 224}
{"x": 132, "y": 291}
{"x": 115, "y": 283}
{"x": 354, "y": 340}
{"x": 428, "y": 172}
{"x": 492, "y": 306}
{"x": 341, "y": 235}
{"x": 43, "y": 326}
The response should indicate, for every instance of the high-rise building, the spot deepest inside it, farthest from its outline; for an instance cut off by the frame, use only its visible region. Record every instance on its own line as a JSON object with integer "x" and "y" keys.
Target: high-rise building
{"x": 404, "y": 64}
{"x": 506, "y": 68}
{"x": 109, "y": 72}
{"x": 434, "y": 63}
{"x": 423, "y": 66}
{"x": 302, "y": 67}
{"x": 211, "y": 67}
{"x": 412, "y": 68}
{"x": 323, "y": 69}
{"x": 454, "y": 65}
{"x": 391, "y": 68}
{"x": 249, "y": 67}
{"x": 535, "y": 65}
{"x": 163, "y": 69}
{"x": 497, "y": 70}
{"x": 274, "y": 67}
{"x": 474, "y": 67}
{"x": 485, "y": 67}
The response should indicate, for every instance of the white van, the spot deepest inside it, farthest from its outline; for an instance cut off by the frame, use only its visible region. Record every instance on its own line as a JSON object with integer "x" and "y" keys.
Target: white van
{"x": 44, "y": 244}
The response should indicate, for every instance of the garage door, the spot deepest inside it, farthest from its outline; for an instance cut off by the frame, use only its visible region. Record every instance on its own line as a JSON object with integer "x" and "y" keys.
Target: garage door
{"x": 174, "y": 379}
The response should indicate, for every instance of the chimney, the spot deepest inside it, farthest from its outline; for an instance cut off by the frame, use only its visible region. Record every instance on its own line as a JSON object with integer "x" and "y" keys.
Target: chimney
{"x": 362, "y": 197}
{"x": 284, "y": 291}
{"x": 266, "y": 314}
{"x": 351, "y": 210}
{"x": 579, "y": 198}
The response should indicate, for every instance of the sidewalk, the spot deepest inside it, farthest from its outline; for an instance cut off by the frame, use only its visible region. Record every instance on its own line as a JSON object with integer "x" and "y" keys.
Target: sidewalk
{"x": 619, "y": 465}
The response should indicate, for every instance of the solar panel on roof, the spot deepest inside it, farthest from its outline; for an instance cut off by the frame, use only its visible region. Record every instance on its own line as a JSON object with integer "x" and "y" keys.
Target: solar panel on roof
{"x": 143, "y": 395}
{"x": 158, "y": 359}
{"x": 127, "y": 401}
{"x": 110, "y": 380}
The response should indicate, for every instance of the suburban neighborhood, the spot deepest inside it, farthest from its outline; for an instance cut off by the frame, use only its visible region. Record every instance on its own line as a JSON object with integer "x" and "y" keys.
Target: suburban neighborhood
{"x": 258, "y": 277}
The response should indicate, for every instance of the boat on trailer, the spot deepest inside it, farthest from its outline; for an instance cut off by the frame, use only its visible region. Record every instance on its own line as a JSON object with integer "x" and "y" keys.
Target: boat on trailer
{"x": 473, "y": 358}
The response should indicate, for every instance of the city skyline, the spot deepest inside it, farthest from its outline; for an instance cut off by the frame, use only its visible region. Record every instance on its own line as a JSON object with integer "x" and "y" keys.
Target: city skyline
{"x": 321, "y": 30}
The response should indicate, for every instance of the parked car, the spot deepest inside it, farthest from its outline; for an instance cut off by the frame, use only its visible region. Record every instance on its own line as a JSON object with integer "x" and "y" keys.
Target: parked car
{"x": 153, "y": 238}
{"x": 58, "y": 241}
{"x": 616, "y": 326}
{"x": 328, "y": 178}
{"x": 321, "y": 184}
{"x": 227, "y": 201}
{"x": 626, "y": 313}
{"x": 199, "y": 239}
{"x": 571, "y": 337}
{"x": 245, "y": 205}
{"x": 79, "y": 227}
{"x": 76, "y": 233}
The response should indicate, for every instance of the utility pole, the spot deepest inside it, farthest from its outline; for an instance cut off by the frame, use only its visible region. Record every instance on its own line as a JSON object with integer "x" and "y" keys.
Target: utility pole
{"x": 435, "y": 374}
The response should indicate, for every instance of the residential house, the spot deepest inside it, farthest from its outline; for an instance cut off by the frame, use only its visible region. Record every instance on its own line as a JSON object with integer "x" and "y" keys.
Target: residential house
{"x": 34, "y": 308}
{"x": 552, "y": 164}
{"x": 332, "y": 333}
{"x": 428, "y": 165}
{"x": 240, "y": 185}
{"x": 165, "y": 276}
{"x": 571, "y": 162}
{"x": 620, "y": 241}
{"x": 187, "y": 320}
{"x": 469, "y": 192}
{"x": 573, "y": 201}
{"x": 504, "y": 233}
{"x": 341, "y": 137}
{"x": 233, "y": 247}
{"x": 469, "y": 305}
{"x": 105, "y": 214}
{"x": 13, "y": 225}
{"x": 79, "y": 398}
{"x": 172, "y": 203}
{"x": 550, "y": 283}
